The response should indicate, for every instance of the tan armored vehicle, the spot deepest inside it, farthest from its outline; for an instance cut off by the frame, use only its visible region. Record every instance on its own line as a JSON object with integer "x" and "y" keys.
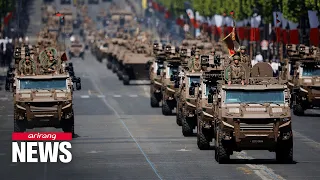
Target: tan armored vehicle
{"x": 156, "y": 69}
{"x": 102, "y": 14}
{"x": 121, "y": 18}
{"x": 169, "y": 81}
{"x": 67, "y": 27}
{"x": 48, "y": 11}
{"x": 209, "y": 82}
{"x": 76, "y": 49}
{"x": 133, "y": 66}
{"x": 302, "y": 70}
{"x": 254, "y": 116}
{"x": 43, "y": 93}
{"x": 102, "y": 52}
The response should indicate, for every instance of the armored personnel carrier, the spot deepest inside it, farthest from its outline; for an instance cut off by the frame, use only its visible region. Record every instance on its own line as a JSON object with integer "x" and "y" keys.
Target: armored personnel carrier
{"x": 67, "y": 26}
{"x": 169, "y": 77}
{"x": 43, "y": 92}
{"x": 254, "y": 116}
{"x": 302, "y": 69}
{"x": 209, "y": 82}
{"x": 76, "y": 49}
{"x": 156, "y": 68}
{"x": 133, "y": 66}
{"x": 102, "y": 52}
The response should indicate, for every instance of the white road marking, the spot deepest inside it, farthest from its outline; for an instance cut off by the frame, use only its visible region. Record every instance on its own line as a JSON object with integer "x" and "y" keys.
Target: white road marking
{"x": 10, "y": 115}
{"x": 2, "y": 154}
{"x": 183, "y": 150}
{"x": 261, "y": 171}
{"x": 3, "y": 98}
{"x": 85, "y": 96}
{"x": 116, "y": 95}
{"x": 101, "y": 96}
{"x": 306, "y": 140}
{"x": 89, "y": 92}
{"x": 133, "y": 95}
{"x": 94, "y": 152}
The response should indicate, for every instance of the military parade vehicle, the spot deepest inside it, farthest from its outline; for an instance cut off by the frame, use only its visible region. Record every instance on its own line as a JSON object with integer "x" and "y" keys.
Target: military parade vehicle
{"x": 101, "y": 15}
{"x": 133, "y": 66}
{"x": 102, "y": 52}
{"x": 66, "y": 22}
{"x": 77, "y": 48}
{"x": 253, "y": 116}
{"x": 93, "y": 1}
{"x": 169, "y": 80}
{"x": 303, "y": 73}
{"x": 47, "y": 11}
{"x": 156, "y": 68}
{"x": 43, "y": 93}
{"x": 212, "y": 74}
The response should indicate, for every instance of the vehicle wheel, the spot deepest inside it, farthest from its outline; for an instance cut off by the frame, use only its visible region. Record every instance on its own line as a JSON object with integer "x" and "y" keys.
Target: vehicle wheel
{"x": 20, "y": 125}
{"x": 203, "y": 140}
{"x": 120, "y": 75}
{"x": 68, "y": 125}
{"x": 284, "y": 152}
{"x": 298, "y": 110}
{"x": 109, "y": 65}
{"x": 221, "y": 153}
{"x": 114, "y": 68}
{"x": 154, "y": 101}
{"x": 126, "y": 80}
{"x": 166, "y": 109}
{"x": 187, "y": 129}
{"x": 179, "y": 117}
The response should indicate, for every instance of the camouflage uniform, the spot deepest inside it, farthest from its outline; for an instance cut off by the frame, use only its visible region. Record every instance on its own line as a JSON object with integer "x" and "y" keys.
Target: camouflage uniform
{"x": 236, "y": 72}
{"x": 52, "y": 65}
{"x": 194, "y": 62}
{"x": 244, "y": 57}
{"x": 27, "y": 68}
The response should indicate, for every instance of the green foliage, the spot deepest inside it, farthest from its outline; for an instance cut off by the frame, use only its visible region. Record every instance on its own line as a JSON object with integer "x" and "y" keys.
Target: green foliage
{"x": 6, "y": 6}
{"x": 292, "y": 9}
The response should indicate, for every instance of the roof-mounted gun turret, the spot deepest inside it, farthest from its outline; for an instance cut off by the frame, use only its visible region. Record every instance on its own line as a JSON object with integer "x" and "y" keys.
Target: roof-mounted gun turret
{"x": 303, "y": 53}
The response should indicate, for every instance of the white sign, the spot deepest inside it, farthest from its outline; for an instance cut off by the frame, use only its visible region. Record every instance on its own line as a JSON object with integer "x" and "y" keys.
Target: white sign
{"x": 264, "y": 45}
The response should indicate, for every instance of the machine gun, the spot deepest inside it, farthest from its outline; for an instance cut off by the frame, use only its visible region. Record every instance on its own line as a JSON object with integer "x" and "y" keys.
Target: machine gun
{"x": 9, "y": 78}
{"x": 76, "y": 80}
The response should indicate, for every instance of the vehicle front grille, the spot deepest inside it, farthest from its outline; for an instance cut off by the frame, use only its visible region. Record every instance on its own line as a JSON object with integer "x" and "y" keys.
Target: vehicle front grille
{"x": 43, "y": 106}
{"x": 257, "y": 124}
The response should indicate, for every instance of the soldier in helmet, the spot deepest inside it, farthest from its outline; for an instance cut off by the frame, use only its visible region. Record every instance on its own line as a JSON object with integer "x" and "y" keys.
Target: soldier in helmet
{"x": 52, "y": 64}
{"x": 194, "y": 62}
{"x": 244, "y": 57}
{"x": 28, "y": 66}
{"x": 236, "y": 74}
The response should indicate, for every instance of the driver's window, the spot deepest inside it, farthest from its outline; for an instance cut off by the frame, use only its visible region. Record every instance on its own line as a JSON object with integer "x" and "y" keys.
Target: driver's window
{"x": 194, "y": 79}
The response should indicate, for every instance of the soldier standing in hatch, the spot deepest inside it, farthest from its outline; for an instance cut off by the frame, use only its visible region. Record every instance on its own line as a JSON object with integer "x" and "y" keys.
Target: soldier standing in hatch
{"x": 28, "y": 66}
{"x": 236, "y": 74}
{"x": 52, "y": 64}
{"x": 244, "y": 57}
{"x": 194, "y": 64}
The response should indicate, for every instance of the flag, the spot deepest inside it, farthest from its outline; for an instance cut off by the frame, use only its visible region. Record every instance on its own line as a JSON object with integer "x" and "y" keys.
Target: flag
{"x": 58, "y": 14}
{"x": 232, "y": 42}
{"x": 192, "y": 19}
{"x": 314, "y": 30}
{"x": 64, "y": 57}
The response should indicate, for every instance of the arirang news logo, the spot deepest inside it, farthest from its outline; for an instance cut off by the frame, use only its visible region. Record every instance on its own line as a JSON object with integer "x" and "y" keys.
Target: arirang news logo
{"x": 41, "y": 147}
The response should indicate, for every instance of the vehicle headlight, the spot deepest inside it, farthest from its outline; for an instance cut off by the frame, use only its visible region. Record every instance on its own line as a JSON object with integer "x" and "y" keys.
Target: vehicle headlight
{"x": 234, "y": 110}
{"x": 277, "y": 110}
{"x": 307, "y": 80}
{"x": 285, "y": 119}
{"x": 60, "y": 95}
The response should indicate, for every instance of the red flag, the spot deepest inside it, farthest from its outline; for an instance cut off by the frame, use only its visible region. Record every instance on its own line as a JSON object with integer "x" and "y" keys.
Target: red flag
{"x": 232, "y": 13}
{"x": 58, "y": 14}
{"x": 64, "y": 57}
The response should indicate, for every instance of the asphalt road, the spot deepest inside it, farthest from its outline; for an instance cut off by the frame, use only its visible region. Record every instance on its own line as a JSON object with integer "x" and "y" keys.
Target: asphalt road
{"x": 121, "y": 137}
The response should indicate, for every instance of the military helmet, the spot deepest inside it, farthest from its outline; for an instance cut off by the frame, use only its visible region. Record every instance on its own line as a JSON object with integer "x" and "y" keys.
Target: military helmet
{"x": 236, "y": 57}
{"x": 243, "y": 47}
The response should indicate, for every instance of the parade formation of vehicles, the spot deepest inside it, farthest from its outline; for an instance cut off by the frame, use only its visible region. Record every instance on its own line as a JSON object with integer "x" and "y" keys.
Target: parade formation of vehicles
{"x": 245, "y": 110}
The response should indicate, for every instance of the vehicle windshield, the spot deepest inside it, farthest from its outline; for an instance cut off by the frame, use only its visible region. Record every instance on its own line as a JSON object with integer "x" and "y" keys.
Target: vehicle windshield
{"x": 208, "y": 87}
{"x": 244, "y": 96}
{"x": 311, "y": 71}
{"x": 173, "y": 70}
{"x": 194, "y": 79}
{"x": 43, "y": 84}
{"x": 105, "y": 45}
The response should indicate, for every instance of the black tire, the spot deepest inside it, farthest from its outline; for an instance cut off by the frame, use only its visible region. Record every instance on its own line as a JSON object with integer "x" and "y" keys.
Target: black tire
{"x": 187, "y": 129}
{"x": 126, "y": 80}
{"x": 166, "y": 110}
{"x": 203, "y": 139}
{"x": 109, "y": 65}
{"x": 114, "y": 68}
{"x": 120, "y": 75}
{"x": 178, "y": 117}
{"x": 68, "y": 125}
{"x": 154, "y": 101}
{"x": 284, "y": 152}
{"x": 221, "y": 152}
{"x": 298, "y": 110}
